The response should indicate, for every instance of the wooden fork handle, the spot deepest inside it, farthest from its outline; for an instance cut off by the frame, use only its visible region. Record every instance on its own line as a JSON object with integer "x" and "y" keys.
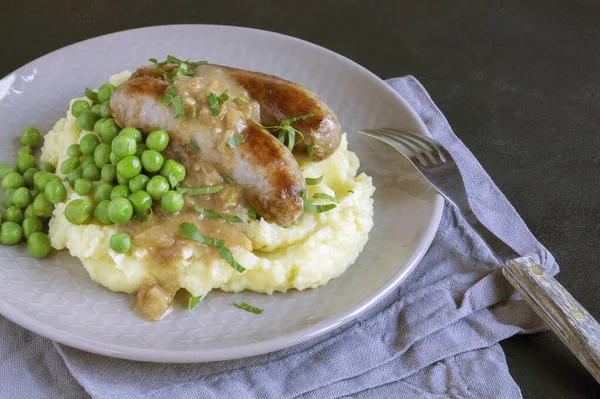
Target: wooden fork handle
{"x": 576, "y": 328}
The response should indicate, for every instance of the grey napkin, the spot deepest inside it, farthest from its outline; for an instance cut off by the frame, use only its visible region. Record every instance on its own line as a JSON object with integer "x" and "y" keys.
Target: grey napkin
{"x": 435, "y": 336}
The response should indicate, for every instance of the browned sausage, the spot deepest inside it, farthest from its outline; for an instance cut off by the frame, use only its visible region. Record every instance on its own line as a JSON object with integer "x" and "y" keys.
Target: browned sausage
{"x": 260, "y": 160}
{"x": 280, "y": 99}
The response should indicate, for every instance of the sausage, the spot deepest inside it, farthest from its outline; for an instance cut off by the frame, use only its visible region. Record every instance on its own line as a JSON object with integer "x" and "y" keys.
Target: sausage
{"x": 260, "y": 161}
{"x": 279, "y": 100}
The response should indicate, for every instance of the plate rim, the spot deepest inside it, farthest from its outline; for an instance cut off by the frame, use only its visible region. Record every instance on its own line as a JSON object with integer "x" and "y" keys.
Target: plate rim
{"x": 260, "y": 347}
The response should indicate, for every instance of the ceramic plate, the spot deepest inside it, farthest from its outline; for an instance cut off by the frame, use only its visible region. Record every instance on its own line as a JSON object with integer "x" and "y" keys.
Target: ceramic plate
{"x": 54, "y": 297}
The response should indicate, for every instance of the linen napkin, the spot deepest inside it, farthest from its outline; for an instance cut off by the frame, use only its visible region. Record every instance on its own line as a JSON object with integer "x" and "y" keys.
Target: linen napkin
{"x": 434, "y": 336}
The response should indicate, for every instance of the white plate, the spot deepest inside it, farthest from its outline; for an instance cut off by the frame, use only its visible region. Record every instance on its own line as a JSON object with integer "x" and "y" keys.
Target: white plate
{"x": 55, "y": 297}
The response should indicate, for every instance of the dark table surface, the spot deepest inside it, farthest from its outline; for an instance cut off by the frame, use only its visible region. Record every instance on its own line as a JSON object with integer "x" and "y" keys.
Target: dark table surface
{"x": 519, "y": 81}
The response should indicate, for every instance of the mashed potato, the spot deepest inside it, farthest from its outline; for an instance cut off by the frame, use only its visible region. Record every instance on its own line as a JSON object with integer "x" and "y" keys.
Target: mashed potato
{"x": 307, "y": 254}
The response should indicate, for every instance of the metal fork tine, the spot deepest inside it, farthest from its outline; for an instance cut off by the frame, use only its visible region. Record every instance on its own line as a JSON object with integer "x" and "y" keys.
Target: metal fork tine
{"x": 424, "y": 140}
{"x": 423, "y": 145}
{"x": 421, "y": 148}
{"x": 411, "y": 148}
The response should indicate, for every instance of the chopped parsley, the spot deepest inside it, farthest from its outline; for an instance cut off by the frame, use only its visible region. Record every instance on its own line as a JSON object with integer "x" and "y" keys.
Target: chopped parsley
{"x": 213, "y": 214}
{"x": 248, "y": 308}
{"x": 92, "y": 95}
{"x": 177, "y": 105}
{"x": 169, "y": 95}
{"x": 285, "y": 129}
{"x": 200, "y": 190}
{"x": 191, "y": 232}
{"x": 241, "y": 100}
{"x": 313, "y": 181}
{"x": 309, "y": 206}
{"x": 235, "y": 190}
{"x": 310, "y": 150}
{"x": 194, "y": 300}
{"x": 325, "y": 196}
{"x": 235, "y": 140}
{"x": 194, "y": 145}
{"x": 184, "y": 68}
{"x": 215, "y": 102}
{"x": 252, "y": 214}
{"x": 227, "y": 179}
{"x": 172, "y": 98}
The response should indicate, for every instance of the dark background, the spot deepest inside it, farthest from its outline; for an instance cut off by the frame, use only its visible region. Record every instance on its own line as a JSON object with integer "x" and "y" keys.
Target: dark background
{"x": 519, "y": 81}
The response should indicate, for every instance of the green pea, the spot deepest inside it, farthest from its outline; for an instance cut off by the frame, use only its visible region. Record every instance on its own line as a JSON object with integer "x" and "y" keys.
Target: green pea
{"x": 86, "y": 120}
{"x": 121, "y": 179}
{"x": 14, "y": 214}
{"x": 138, "y": 183}
{"x": 47, "y": 167}
{"x": 133, "y": 132}
{"x": 120, "y": 191}
{"x": 173, "y": 171}
{"x": 41, "y": 178}
{"x": 108, "y": 173}
{"x": 113, "y": 159}
{"x": 102, "y": 155}
{"x": 30, "y": 225}
{"x": 171, "y": 201}
{"x": 74, "y": 151}
{"x": 104, "y": 109}
{"x": 157, "y": 186}
{"x": 129, "y": 167}
{"x": 152, "y": 160}
{"x": 25, "y": 150}
{"x": 87, "y": 160}
{"x": 24, "y": 162}
{"x": 88, "y": 143}
{"x": 74, "y": 175}
{"x": 29, "y": 211}
{"x": 92, "y": 95}
{"x": 123, "y": 146}
{"x": 42, "y": 207}
{"x": 102, "y": 192}
{"x": 69, "y": 164}
{"x": 96, "y": 110}
{"x": 140, "y": 150}
{"x": 91, "y": 172}
{"x": 120, "y": 242}
{"x": 78, "y": 107}
{"x": 79, "y": 211}
{"x": 55, "y": 192}
{"x": 12, "y": 180}
{"x": 141, "y": 201}
{"x": 38, "y": 245}
{"x": 83, "y": 186}
{"x": 101, "y": 212}
{"x": 22, "y": 197}
{"x": 105, "y": 91}
{"x": 97, "y": 127}
{"x": 28, "y": 176}
{"x": 108, "y": 130}
{"x": 157, "y": 140}
{"x": 120, "y": 210}
{"x": 10, "y": 233}
{"x": 31, "y": 137}
{"x": 7, "y": 198}
{"x": 6, "y": 168}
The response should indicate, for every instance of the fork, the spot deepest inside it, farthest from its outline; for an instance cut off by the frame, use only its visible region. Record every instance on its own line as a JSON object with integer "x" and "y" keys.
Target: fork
{"x": 576, "y": 328}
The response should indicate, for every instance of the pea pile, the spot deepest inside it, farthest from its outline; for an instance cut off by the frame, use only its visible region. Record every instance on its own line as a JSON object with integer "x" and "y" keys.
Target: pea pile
{"x": 122, "y": 177}
{"x": 24, "y": 198}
